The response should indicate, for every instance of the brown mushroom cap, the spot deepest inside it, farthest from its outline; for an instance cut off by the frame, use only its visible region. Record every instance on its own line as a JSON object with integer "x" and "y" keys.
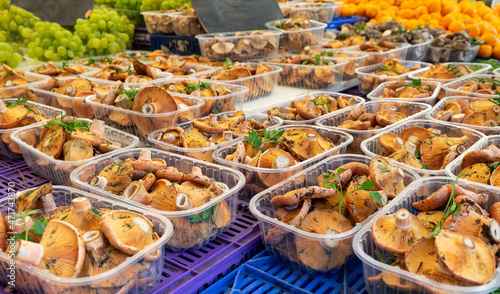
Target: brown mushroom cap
{"x": 11, "y": 117}
{"x": 327, "y": 254}
{"x": 64, "y": 249}
{"x": 82, "y": 215}
{"x": 467, "y": 257}
{"x": 152, "y": 100}
{"x": 388, "y": 117}
{"x": 146, "y": 163}
{"x": 487, "y": 155}
{"x": 274, "y": 158}
{"x": 53, "y": 141}
{"x": 118, "y": 175}
{"x": 298, "y": 195}
{"x": 430, "y": 219}
{"x": 390, "y": 142}
{"x": 387, "y": 177}
{"x": 479, "y": 173}
{"x": 396, "y": 232}
{"x": 415, "y": 135}
{"x": 433, "y": 150}
{"x": 305, "y": 143}
{"x": 211, "y": 125}
{"x": 361, "y": 206}
{"x": 30, "y": 199}
{"x": 77, "y": 149}
{"x": 467, "y": 221}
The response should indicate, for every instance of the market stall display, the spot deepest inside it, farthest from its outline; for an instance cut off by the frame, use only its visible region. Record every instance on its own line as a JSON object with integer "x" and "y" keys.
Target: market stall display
{"x": 414, "y": 90}
{"x": 298, "y": 32}
{"x": 14, "y": 83}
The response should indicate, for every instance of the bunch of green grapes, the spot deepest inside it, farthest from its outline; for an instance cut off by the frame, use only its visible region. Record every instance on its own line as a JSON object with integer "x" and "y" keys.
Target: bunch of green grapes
{"x": 128, "y": 4}
{"x": 105, "y": 3}
{"x": 16, "y": 25}
{"x": 7, "y": 55}
{"x": 104, "y": 32}
{"x": 152, "y": 5}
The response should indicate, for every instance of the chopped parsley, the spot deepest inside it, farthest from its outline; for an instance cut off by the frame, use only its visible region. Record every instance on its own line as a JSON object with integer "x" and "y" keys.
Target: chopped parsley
{"x": 204, "y": 85}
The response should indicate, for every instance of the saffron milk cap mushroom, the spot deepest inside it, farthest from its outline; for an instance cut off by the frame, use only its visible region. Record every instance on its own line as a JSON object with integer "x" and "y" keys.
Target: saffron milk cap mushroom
{"x": 118, "y": 175}
{"x": 82, "y": 215}
{"x": 274, "y": 158}
{"x": 305, "y": 143}
{"x": 387, "y": 177}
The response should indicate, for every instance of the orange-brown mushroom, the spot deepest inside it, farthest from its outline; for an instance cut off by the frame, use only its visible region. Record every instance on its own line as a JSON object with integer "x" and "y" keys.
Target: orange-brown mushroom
{"x": 479, "y": 173}
{"x": 82, "y": 215}
{"x": 114, "y": 177}
{"x": 361, "y": 205}
{"x": 390, "y": 142}
{"x": 305, "y": 143}
{"x": 296, "y": 196}
{"x": 415, "y": 135}
{"x": 430, "y": 219}
{"x": 30, "y": 199}
{"x": 387, "y": 177}
{"x": 146, "y": 163}
{"x": 274, "y": 158}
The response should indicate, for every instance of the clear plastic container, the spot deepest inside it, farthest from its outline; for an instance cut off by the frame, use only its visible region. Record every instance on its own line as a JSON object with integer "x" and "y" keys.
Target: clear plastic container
{"x": 254, "y": 185}
{"x": 73, "y": 106}
{"x": 159, "y": 22}
{"x": 367, "y": 251}
{"x": 313, "y": 36}
{"x": 378, "y": 92}
{"x": 10, "y": 149}
{"x": 322, "y": 12}
{"x": 455, "y": 167}
{"x": 261, "y": 45}
{"x": 368, "y": 80}
{"x": 31, "y": 279}
{"x": 138, "y": 123}
{"x": 496, "y": 71}
{"x": 355, "y": 60}
{"x": 57, "y": 170}
{"x": 371, "y": 146}
{"x": 417, "y": 52}
{"x": 440, "y": 54}
{"x": 399, "y": 52}
{"x": 310, "y": 76}
{"x": 160, "y": 77}
{"x": 22, "y": 91}
{"x": 187, "y": 69}
{"x": 187, "y": 25}
{"x": 205, "y": 154}
{"x": 488, "y": 131}
{"x": 261, "y": 207}
{"x": 185, "y": 233}
{"x": 216, "y": 104}
{"x": 285, "y": 103}
{"x": 412, "y": 110}
{"x": 59, "y": 64}
{"x": 259, "y": 85}
{"x": 451, "y": 88}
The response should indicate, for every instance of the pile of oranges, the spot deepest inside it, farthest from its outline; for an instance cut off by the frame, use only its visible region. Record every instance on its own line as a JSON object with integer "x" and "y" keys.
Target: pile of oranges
{"x": 475, "y": 18}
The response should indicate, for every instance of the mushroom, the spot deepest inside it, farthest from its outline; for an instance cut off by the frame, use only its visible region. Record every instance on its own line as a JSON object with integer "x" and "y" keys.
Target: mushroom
{"x": 293, "y": 218}
{"x": 305, "y": 143}
{"x": 82, "y": 215}
{"x": 28, "y": 252}
{"x": 164, "y": 195}
{"x": 138, "y": 193}
{"x": 30, "y": 199}
{"x": 211, "y": 125}
{"x": 328, "y": 253}
{"x": 274, "y": 158}
{"x": 53, "y": 141}
{"x": 146, "y": 163}
{"x": 407, "y": 156}
{"x": 388, "y": 117}
{"x": 439, "y": 198}
{"x": 143, "y": 69}
{"x": 222, "y": 215}
{"x": 172, "y": 135}
{"x": 307, "y": 109}
{"x": 361, "y": 205}
{"x": 388, "y": 178}
{"x": 356, "y": 112}
{"x": 154, "y": 100}
{"x": 11, "y": 117}
{"x": 390, "y": 142}
{"x": 127, "y": 231}
{"x": 467, "y": 257}
{"x": 430, "y": 219}
{"x": 396, "y": 232}
{"x": 487, "y": 155}
{"x": 490, "y": 234}
{"x": 433, "y": 150}
{"x": 479, "y": 173}
{"x": 77, "y": 149}
{"x": 49, "y": 207}
{"x": 415, "y": 135}
{"x": 296, "y": 196}
{"x": 3, "y": 234}
{"x": 115, "y": 177}
{"x": 453, "y": 153}
{"x": 222, "y": 48}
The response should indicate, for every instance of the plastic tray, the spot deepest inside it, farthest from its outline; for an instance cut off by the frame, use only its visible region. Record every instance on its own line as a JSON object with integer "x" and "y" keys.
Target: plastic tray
{"x": 21, "y": 91}
{"x": 73, "y": 106}
{"x": 371, "y": 146}
{"x": 223, "y": 103}
{"x": 368, "y": 80}
{"x": 285, "y": 103}
{"x": 378, "y": 92}
{"x": 233, "y": 179}
{"x": 193, "y": 23}
{"x": 365, "y": 248}
{"x": 31, "y": 279}
{"x": 451, "y": 88}
{"x": 411, "y": 109}
{"x": 259, "y": 85}
{"x": 261, "y": 207}
{"x": 482, "y": 69}
{"x": 47, "y": 111}
{"x": 160, "y": 78}
{"x": 399, "y": 53}
{"x": 440, "y": 54}
{"x": 188, "y": 69}
{"x": 317, "y": 29}
{"x": 269, "y": 274}
{"x": 141, "y": 37}
{"x": 488, "y": 131}
{"x": 417, "y": 52}
{"x": 17, "y": 178}
{"x": 175, "y": 44}
{"x": 59, "y": 64}
{"x": 324, "y": 12}
{"x": 205, "y": 154}
{"x": 138, "y": 123}
{"x": 158, "y": 22}
{"x": 496, "y": 71}
{"x": 455, "y": 167}
{"x": 356, "y": 59}
{"x": 252, "y": 186}
{"x": 271, "y": 37}
{"x": 308, "y": 72}
{"x": 56, "y": 170}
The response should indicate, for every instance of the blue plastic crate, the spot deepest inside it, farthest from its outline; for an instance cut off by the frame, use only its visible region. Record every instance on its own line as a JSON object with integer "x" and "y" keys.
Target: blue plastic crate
{"x": 338, "y": 21}
{"x": 174, "y": 44}
{"x": 269, "y": 274}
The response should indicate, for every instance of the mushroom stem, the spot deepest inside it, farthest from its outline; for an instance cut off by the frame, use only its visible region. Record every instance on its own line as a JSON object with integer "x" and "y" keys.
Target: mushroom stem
{"x": 398, "y": 141}
{"x": 3, "y": 107}
{"x": 138, "y": 193}
{"x": 196, "y": 171}
{"x": 469, "y": 245}
{"x": 490, "y": 123}
{"x": 149, "y": 108}
{"x": 281, "y": 162}
{"x": 168, "y": 138}
{"x": 19, "y": 226}
{"x": 227, "y": 135}
{"x": 148, "y": 181}
{"x": 99, "y": 182}
{"x": 330, "y": 243}
{"x": 397, "y": 173}
{"x": 218, "y": 188}
{"x": 145, "y": 155}
{"x": 410, "y": 147}
{"x": 29, "y": 252}
{"x": 98, "y": 127}
{"x": 403, "y": 220}
{"x": 48, "y": 203}
{"x": 311, "y": 137}
{"x": 458, "y": 118}
{"x": 80, "y": 204}
{"x": 212, "y": 119}
{"x": 247, "y": 160}
{"x": 94, "y": 240}
{"x": 183, "y": 202}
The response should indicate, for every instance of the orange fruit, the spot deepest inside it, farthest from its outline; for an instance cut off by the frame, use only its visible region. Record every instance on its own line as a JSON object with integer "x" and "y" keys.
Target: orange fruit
{"x": 406, "y": 13}
{"x": 456, "y": 26}
{"x": 447, "y": 20}
{"x": 490, "y": 39}
{"x": 470, "y": 11}
{"x": 372, "y": 10}
{"x": 496, "y": 51}
{"x": 473, "y": 30}
{"x": 483, "y": 10}
{"x": 485, "y": 51}
{"x": 344, "y": 11}
{"x": 361, "y": 10}
{"x": 434, "y": 6}
{"x": 384, "y": 19}
{"x": 421, "y": 10}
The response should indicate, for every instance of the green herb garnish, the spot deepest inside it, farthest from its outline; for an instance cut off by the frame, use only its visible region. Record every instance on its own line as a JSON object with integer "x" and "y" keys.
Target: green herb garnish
{"x": 8, "y": 74}
{"x": 321, "y": 101}
{"x": 204, "y": 85}
{"x": 417, "y": 154}
{"x": 130, "y": 93}
{"x": 476, "y": 42}
{"x": 64, "y": 64}
{"x": 360, "y": 27}
{"x": 345, "y": 35}
{"x": 18, "y": 102}
{"x": 453, "y": 70}
{"x": 90, "y": 61}
{"x": 38, "y": 227}
{"x": 385, "y": 68}
{"x": 228, "y": 63}
{"x": 317, "y": 58}
{"x": 256, "y": 141}
{"x": 389, "y": 259}
{"x": 493, "y": 165}
{"x": 205, "y": 215}
{"x": 280, "y": 26}
{"x": 69, "y": 126}
{"x": 475, "y": 67}
{"x": 403, "y": 31}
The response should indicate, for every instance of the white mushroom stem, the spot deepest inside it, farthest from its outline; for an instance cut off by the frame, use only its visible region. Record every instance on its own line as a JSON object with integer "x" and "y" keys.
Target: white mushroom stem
{"x": 142, "y": 224}
{"x": 218, "y": 188}
{"x": 495, "y": 230}
{"x": 242, "y": 127}
{"x": 99, "y": 182}
{"x": 458, "y": 118}
{"x": 196, "y": 171}
{"x": 94, "y": 240}
{"x": 19, "y": 227}
{"x": 131, "y": 79}
{"x": 169, "y": 138}
{"x": 309, "y": 97}
{"x": 490, "y": 123}
{"x": 384, "y": 199}
{"x": 496, "y": 109}
{"x": 309, "y": 105}
{"x": 48, "y": 203}
{"x": 183, "y": 202}
{"x": 227, "y": 135}
{"x": 281, "y": 162}
{"x": 149, "y": 108}
{"x": 403, "y": 220}
{"x": 412, "y": 139}
{"x": 329, "y": 241}
{"x": 398, "y": 141}
{"x": 98, "y": 127}
{"x": 145, "y": 155}
{"x": 3, "y": 107}
{"x": 247, "y": 160}
{"x": 212, "y": 119}
{"x": 80, "y": 204}
{"x": 469, "y": 244}
{"x": 138, "y": 193}
{"x": 70, "y": 90}
{"x": 29, "y": 252}
{"x": 397, "y": 173}
{"x": 410, "y": 147}
{"x": 311, "y": 137}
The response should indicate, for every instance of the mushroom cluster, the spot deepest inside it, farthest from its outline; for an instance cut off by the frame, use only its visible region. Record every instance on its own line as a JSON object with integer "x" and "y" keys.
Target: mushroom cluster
{"x": 335, "y": 206}
{"x": 253, "y": 45}
{"x": 203, "y": 90}
{"x": 390, "y": 68}
{"x": 343, "y": 41}
{"x": 69, "y": 139}
{"x": 315, "y": 11}
{"x": 14, "y": 115}
{"x": 483, "y": 86}
{"x": 415, "y": 89}
{"x": 308, "y": 71}
{"x": 187, "y": 23}
{"x": 183, "y": 67}
{"x": 440, "y": 71}
{"x": 459, "y": 42}
{"x": 481, "y": 166}
{"x": 376, "y": 47}
{"x": 81, "y": 240}
{"x": 11, "y": 81}
{"x": 201, "y": 60}
{"x": 138, "y": 74}
{"x": 261, "y": 83}
{"x": 51, "y": 69}
{"x": 311, "y": 107}
{"x": 159, "y": 22}
{"x": 359, "y": 119}
{"x": 353, "y": 59}
{"x": 423, "y": 148}
{"x": 472, "y": 112}
{"x": 297, "y": 37}
{"x": 150, "y": 182}
{"x": 211, "y": 131}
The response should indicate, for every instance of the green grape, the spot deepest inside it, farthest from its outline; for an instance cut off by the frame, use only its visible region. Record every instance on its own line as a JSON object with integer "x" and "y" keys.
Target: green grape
{"x": 110, "y": 38}
{"x": 3, "y": 56}
{"x": 102, "y": 24}
{"x": 48, "y": 54}
{"x": 71, "y": 54}
{"x": 17, "y": 57}
{"x": 39, "y": 52}
{"x": 104, "y": 43}
{"x": 46, "y": 43}
{"x": 56, "y": 57}
{"x": 61, "y": 51}
{"x": 58, "y": 35}
{"x": 64, "y": 42}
